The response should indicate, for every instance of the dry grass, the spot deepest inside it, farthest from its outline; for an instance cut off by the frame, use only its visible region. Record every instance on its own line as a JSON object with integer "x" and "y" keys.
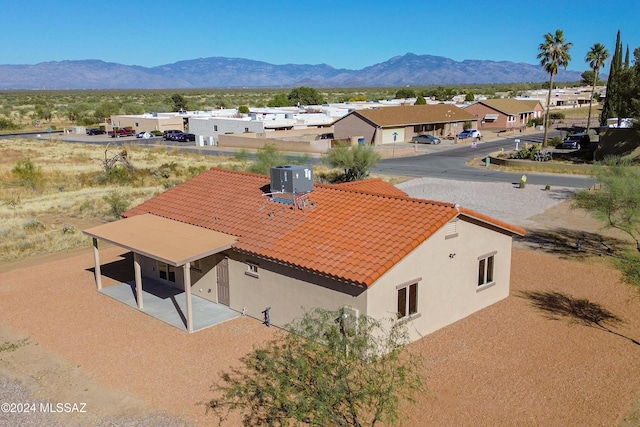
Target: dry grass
{"x": 50, "y": 215}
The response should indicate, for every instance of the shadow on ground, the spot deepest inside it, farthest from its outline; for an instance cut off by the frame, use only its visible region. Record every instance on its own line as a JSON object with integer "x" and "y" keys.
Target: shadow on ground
{"x": 571, "y": 244}
{"x": 120, "y": 270}
{"x": 556, "y": 306}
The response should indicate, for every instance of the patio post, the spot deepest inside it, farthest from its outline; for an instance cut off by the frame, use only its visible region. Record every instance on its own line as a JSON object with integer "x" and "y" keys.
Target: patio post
{"x": 187, "y": 292}
{"x": 138, "y": 276}
{"x": 96, "y": 260}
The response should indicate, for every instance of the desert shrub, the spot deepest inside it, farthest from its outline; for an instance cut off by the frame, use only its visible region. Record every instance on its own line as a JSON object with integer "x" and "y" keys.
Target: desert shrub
{"x": 556, "y": 116}
{"x": 33, "y": 224}
{"x": 7, "y": 124}
{"x": 243, "y": 109}
{"x": 117, "y": 203}
{"x": 195, "y": 170}
{"x": 68, "y": 228}
{"x": 535, "y": 122}
{"x": 556, "y": 141}
{"x": 527, "y": 152}
{"x": 629, "y": 264}
{"x": 268, "y": 156}
{"x": 27, "y": 173}
{"x": 118, "y": 175}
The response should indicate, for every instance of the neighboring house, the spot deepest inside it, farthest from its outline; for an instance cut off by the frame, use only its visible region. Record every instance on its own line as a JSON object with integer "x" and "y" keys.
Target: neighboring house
{"x": 285, "y": 244}
{"x": 399, "y": 124}
{"x": 147, "y": 122}
{"x": 505, "y": 113}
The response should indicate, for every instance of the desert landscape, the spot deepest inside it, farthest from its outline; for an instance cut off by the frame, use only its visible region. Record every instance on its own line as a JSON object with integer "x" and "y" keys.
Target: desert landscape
{"x": 561, "y": 350}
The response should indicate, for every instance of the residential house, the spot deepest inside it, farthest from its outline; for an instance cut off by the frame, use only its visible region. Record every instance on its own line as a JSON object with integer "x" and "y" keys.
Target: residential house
{"x": 280, "y": 245}
{"x": 505, "y": 113}
{"x": 400, "y": 124}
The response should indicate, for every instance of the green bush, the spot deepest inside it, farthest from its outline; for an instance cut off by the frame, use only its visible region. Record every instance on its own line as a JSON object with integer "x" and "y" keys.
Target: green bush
{"x": 556, "y": 116}
{"x": 117, "y": 203}
{"x": 535, "y": 122}
{"x": 6, "y": 124}
{"x": 27, "y": 173}
{"x": 118, "y": 175}
{"x": 556, "y": 141}
{"x": 526, "y": 152}
{"x": 243, "y": 109}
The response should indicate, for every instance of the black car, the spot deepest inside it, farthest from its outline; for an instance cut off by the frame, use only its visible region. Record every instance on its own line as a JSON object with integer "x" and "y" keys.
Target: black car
{"x": 183, "y": 137}
{"x": 95, "y": 131}
{"x": 167, "y": 134}
{"x": 576, "y": 141}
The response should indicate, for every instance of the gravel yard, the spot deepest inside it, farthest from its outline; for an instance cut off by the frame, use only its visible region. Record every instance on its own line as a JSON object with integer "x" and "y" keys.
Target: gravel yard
{"x": 523, "y": 361}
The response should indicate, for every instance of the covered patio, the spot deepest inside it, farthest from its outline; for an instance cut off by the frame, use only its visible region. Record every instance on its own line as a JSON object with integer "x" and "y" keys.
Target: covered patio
{"x": 172, "y": 242}
{"x": 168, "y": 304}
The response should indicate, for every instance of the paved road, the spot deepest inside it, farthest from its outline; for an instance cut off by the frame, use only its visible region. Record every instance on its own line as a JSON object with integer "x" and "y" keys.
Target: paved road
{"x": 449, "y": 162}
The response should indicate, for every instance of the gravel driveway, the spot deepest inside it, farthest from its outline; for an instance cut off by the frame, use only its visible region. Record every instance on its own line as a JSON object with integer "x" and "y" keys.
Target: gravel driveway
{"x": 506, "y": 202}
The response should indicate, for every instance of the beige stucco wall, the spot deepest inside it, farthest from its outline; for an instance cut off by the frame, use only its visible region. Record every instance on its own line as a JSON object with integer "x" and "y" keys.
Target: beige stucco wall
{"x": 448, "y": 289}
{"x": 353, "y": 126}
{"x": 141, "y": 124}
{"x": 253, "y": 142}
{"x": 287, "y": 291}
{"x": 447, "y": 286}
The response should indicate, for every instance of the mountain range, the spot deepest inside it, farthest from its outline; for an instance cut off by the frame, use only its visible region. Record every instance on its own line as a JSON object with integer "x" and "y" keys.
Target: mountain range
{"x": 220, "y": 72}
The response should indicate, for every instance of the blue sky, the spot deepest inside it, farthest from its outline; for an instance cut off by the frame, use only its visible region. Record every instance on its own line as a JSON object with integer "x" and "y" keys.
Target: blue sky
{"x": 349, "y": 34}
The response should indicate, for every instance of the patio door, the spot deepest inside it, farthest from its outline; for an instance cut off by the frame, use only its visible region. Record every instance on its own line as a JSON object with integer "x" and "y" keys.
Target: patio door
{"x": 222, "y": 270}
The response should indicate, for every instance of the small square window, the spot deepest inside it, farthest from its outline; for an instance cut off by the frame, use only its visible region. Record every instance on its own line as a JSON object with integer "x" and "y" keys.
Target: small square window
{"x": 252, "y": 269}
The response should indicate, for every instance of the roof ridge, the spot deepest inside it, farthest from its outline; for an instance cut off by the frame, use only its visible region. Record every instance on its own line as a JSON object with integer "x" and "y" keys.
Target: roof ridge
{"x": 389, "y": 196}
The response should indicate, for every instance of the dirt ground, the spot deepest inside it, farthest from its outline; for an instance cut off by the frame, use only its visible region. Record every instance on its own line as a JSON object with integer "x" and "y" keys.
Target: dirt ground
{"x": 562, "y": 350}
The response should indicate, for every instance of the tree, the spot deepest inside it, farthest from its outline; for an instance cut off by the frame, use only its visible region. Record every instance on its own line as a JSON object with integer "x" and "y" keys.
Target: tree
{"x": 469, "y": 97}
{"x": 617, "y": 204}
{"x": 595, "y": 58}
{"x": 554, "y": 53}
{"x": 304, "y": 95}
{"x": 279, "y": 100}
{"x": 178, "y": 102}
{"x": 243, "y": 109}
{"x": 330, "y": 369}
{"x": 267, "y": 157}
{"x": 405, "y": 92}
{"x": 420, "y": 101}
{"x": 356, "y": 161}
{"x": 610, "y": 107}
{"x": 586, "y": 77}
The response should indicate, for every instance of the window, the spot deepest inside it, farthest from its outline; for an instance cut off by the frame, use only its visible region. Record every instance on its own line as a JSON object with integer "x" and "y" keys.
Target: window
{"x": 407, "y": 301}
{"x": 215, "y": 128}
{"x": 167, "y": 272}
{"x": 485, "y": 269}
{"x": 252, "y": 270}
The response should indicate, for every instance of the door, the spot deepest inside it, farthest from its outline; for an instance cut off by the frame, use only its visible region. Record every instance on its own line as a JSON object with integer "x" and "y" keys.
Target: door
{"x": 222, "y": 271}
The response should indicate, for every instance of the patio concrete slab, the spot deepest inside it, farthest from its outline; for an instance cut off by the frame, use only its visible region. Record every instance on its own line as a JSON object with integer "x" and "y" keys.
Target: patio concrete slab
{"x": 168, "y": 304}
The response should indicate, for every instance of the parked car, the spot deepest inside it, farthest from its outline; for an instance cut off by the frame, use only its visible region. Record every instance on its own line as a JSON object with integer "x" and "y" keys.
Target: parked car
{"x": 145, "y": 135}
{"x": 95, "y": 131}
{"x": 469, "y": 133}
{"x": 425, "y": 139}
{"x": 576, "y": 141}
{"x": 167, "y": 133}
{"x": 117, "y": 133}
{"x": 183, "y": 136}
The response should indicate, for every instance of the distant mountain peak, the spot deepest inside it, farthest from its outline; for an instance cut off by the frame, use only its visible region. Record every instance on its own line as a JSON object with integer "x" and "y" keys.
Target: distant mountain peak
{"x": 224, "y": 72}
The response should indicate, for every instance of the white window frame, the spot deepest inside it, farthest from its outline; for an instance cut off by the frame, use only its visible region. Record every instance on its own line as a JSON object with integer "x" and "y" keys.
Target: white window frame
{"x": 253, "y": 269}
{"x": 486, "y": 270}
{"x": 408, "y": 291}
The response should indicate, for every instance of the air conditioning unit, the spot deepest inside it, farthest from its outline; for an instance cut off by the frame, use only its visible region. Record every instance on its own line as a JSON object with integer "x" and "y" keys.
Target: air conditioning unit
{"x": 289, "y": 182}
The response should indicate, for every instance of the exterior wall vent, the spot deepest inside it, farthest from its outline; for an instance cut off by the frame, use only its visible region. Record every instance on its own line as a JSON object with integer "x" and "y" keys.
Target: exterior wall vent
{"x": 289, "y": 183}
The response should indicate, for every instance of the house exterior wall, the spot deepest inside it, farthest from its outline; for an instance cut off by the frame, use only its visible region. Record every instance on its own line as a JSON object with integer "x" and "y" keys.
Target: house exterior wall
{"x": 387, "y": 135}
{"x": 447, "y": 286}
{"x": 215, "y": 126}
{"x": 143, "y": 124}
{"x": 352, "y": 126}
{"x": 285, "y": 290}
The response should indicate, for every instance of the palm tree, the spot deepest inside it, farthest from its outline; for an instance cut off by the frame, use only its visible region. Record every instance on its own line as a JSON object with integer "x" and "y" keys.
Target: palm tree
{"x": 554, "y": 53}
{"x": 595, "y": 57}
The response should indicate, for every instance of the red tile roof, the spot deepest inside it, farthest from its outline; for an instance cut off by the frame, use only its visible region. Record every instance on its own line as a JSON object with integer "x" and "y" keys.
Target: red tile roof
{"x": 373, "y": 185}
{"x": 343, "y": 232}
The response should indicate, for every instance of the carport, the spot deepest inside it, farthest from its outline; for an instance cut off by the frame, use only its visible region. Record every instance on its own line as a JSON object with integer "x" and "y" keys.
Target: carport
{"x": 175, "y": 243}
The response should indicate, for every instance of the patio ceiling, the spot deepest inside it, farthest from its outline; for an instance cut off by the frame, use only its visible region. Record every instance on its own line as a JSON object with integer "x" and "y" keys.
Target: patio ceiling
{"x": 172, "y": 242}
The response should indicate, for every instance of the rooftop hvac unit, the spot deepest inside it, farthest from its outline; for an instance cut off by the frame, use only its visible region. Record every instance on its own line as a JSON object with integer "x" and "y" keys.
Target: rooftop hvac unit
{"x": 290, "y": 182}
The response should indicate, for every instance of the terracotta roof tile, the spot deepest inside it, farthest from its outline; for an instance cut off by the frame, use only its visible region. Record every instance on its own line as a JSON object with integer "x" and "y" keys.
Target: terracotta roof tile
{"x": 350, "y": 234}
